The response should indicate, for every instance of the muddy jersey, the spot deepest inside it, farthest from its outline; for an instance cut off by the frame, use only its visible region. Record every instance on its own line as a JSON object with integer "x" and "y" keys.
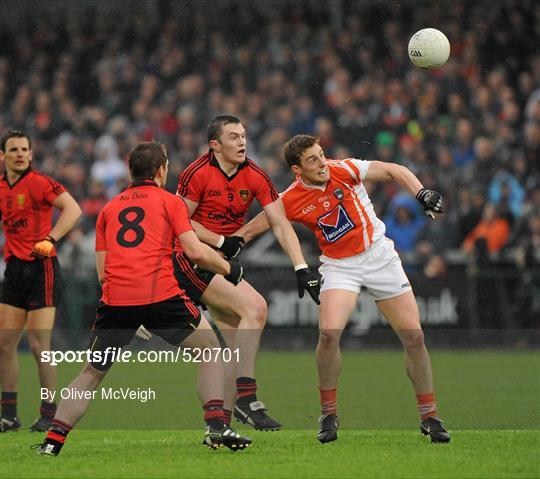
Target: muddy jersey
{"x": 340, "y": 213}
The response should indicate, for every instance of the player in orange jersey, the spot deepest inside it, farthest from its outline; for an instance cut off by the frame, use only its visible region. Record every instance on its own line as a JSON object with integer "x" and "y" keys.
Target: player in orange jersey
{"x": 32, "y": 282}
{"x": 329, "y": 198}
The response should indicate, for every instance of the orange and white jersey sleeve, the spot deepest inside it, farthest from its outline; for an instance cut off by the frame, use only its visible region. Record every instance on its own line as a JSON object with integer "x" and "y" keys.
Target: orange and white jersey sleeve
{"x": 340, "y": 213}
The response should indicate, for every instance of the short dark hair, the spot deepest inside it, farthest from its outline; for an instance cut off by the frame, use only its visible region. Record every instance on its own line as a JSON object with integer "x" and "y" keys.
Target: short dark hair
{"x": 293, "y": 149}
{"x": 13, "y": 134}
{"x": 217, "y": 123}
{"x": 145, "y": 160}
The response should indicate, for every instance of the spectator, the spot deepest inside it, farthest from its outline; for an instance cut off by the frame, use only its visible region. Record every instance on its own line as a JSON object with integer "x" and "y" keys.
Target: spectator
{"x": 108, "y": 168}
{"x": 404, "y": 222}
{"x": 492, "y": 229}
{"x": 506, "y": 193}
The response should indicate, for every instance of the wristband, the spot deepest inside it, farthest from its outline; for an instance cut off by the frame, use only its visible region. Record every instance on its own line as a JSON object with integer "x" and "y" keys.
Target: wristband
{"x": 51, "y": 239}
{"x": 300, "y": 266}
{"x": 220, "y": 241}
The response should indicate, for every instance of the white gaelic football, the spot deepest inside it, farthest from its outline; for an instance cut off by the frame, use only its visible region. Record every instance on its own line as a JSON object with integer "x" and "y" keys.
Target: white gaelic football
{"x": 429, "y": 48}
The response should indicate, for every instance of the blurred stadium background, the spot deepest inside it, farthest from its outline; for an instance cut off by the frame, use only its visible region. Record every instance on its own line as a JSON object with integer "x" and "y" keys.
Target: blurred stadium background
{"x": 89, "y": 79}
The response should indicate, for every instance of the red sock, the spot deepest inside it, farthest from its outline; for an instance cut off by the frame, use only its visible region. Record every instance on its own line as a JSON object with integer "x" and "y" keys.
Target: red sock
{"x": 247, "y": 390}
{"x": 328, "y": 401}
{"x": 426, "y": 405}
{"x": 58, "y": 431}
{"x": 213, "y": 413}
{"x": 227, "y": 415}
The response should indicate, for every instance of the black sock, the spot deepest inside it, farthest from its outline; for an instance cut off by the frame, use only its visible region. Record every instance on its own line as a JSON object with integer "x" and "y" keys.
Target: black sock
{"x": 47, "y": 410}
{"x": 9, "y": 404}
{"x": 247, "y": 390}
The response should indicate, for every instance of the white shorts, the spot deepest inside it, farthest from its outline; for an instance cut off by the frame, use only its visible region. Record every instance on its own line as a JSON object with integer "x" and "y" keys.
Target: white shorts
{"x": 379, "y": 269}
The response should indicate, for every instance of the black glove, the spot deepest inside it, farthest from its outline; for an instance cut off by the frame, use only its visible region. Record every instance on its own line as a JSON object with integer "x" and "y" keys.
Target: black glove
{"x": 236, "y": 274}
{"x": 308, "y": 281}
{"x": 232, "y": 246}
{"x": 430, "y": 200}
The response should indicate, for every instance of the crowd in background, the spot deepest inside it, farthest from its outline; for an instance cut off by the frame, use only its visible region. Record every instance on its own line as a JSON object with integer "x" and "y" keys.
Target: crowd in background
{"x": 87, "y": 85}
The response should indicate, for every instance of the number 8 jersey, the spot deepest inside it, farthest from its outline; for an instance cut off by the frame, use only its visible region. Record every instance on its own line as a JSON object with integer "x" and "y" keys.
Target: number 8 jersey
{"x": 136, "y": 229}
{"x": 340, "y": 213}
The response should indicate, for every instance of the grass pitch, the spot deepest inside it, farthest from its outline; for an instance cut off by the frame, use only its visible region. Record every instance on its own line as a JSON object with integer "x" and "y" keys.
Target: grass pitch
{"x": 489, "y": 400}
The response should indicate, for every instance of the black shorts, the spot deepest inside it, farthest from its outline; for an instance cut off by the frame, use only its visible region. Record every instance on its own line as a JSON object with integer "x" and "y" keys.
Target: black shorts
{"x": 193, "y": 281}
{"x": 31, "y": 285}
{"x": 173, "y": 320}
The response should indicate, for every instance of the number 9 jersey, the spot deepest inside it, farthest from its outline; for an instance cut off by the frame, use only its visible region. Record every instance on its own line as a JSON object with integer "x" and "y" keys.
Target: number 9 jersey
{"x": 136, "y": 229}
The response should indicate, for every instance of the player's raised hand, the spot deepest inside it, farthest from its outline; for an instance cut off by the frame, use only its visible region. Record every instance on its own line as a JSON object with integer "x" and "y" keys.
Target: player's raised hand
{"x": 44, "y": 248}
{"x": 232, "y": 246}
{"x": 431, "y": 201}
{"x": 308, "y": 281}
{"x": 236, "y": 274}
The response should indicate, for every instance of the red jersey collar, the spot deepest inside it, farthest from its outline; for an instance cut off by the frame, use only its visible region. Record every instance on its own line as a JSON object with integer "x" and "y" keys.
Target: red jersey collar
{"x": 24, "y": 173}
{"x": 214, "y": 162}
{"x": 143, "y": 182}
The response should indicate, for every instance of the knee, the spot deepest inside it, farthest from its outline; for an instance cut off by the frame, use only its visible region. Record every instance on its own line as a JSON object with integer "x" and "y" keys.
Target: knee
{"x": 37, "y": 347}
{"x": 329, "y": 338}
{"x": 39, "y": 343}
{"x": 413, "y": 339}
{"x": 259, "y": 311}
{"x": 8, "y": 343}
{"x": 7, "y": 348}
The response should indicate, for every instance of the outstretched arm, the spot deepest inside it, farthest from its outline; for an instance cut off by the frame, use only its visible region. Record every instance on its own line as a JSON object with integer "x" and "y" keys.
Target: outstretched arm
{"x": 381, "y": 171}
{"x": 286, "y": 236}
{"x": 284, "y": 232}
{"x": 254, "y": 228}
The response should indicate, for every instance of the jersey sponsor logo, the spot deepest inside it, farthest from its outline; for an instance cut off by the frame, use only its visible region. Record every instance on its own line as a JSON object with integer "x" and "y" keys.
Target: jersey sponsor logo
{"x": 20, "y": 201}
{"x": 335, "y": 224}
{"x": 338, "y": 193}
{"x": 20, "y": 223}
{"x": 214, "y": 193}
{"x": 308, "y": 209}
{"x": 244, "y": 195}
{"x": 225, "y": 218}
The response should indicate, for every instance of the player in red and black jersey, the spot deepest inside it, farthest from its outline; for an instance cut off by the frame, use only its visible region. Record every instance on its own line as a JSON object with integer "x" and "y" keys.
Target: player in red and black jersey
{"x": 134, "y": 238}
{"x": 218, "y": 189}
{"x": 32, "y": 283}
